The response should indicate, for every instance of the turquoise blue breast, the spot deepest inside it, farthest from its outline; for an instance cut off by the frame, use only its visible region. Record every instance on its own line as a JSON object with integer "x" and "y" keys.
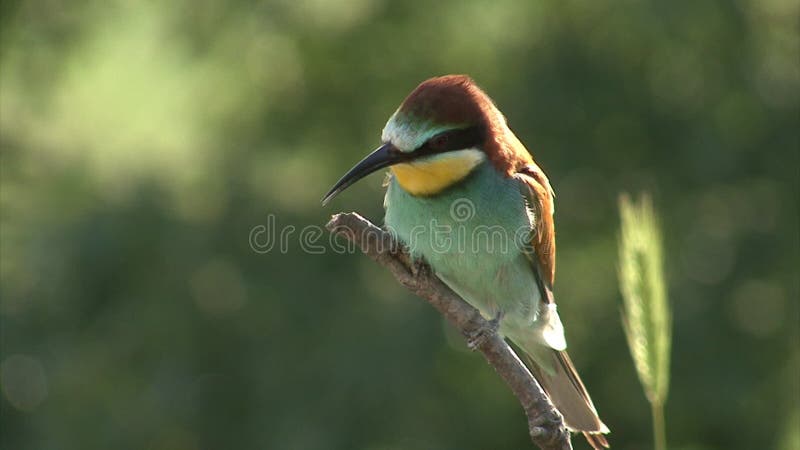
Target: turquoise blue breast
{"x": 472, "y": 235}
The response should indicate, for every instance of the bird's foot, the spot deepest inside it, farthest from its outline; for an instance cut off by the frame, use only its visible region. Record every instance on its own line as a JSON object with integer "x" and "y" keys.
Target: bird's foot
{"x": 477, "y": 337}
{"x": 419, "y": 268}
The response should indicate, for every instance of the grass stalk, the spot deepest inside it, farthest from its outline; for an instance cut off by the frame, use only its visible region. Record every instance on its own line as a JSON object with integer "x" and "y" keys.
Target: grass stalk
{"x": 646, "y": 315}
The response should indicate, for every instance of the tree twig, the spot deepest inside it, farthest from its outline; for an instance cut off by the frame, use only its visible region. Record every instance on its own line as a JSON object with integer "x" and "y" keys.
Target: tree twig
{"x": 544, "y": 422}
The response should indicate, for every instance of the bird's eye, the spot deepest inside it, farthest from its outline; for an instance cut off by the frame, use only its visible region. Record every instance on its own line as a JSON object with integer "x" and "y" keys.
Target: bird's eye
{"x": 440, "y": 142}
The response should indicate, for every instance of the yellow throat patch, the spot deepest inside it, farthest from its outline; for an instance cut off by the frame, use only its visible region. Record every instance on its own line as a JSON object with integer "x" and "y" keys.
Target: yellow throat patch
{"x": 431, "y": 176}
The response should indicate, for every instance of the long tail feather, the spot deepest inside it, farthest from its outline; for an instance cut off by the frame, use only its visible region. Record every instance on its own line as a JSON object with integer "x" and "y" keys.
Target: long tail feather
{"x": 568, "y": 394}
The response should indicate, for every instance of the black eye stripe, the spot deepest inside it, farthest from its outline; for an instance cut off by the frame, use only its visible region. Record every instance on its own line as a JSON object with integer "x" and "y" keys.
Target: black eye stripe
{"x": 452, "y": 140}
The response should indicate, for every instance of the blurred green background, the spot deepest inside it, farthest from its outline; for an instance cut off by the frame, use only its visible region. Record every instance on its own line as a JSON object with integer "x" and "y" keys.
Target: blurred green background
{"x": 143, "y": 141}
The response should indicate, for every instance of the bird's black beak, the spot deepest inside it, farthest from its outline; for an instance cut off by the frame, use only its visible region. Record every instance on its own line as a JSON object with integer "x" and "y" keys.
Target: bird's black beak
{"x": 384, "y": 156}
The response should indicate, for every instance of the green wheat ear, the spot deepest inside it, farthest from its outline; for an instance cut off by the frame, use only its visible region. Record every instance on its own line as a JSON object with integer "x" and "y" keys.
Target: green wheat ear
{"x": 646, "y": 313}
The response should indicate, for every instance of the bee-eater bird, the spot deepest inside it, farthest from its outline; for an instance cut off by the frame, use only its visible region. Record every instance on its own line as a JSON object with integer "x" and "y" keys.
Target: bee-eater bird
{"x": 465, "y": 195}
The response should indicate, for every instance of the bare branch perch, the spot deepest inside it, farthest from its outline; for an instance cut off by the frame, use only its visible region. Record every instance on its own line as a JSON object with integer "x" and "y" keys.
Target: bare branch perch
{"x": 545, "y": 423}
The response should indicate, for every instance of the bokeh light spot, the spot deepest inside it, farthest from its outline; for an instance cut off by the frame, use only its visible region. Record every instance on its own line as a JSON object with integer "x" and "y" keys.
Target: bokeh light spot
{"x": 218, "y": 288}
{"x": 758, "y": 308}
{"x": 24, "y": 382}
